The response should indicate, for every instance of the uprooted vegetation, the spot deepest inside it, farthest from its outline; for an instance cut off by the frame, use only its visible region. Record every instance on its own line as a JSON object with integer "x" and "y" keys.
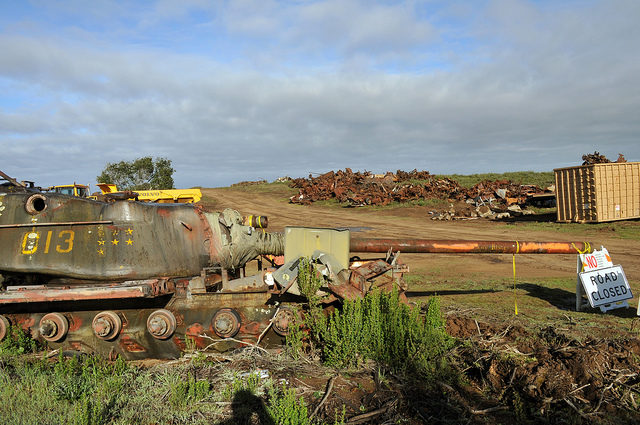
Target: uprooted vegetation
{"x": 547, "y": 377}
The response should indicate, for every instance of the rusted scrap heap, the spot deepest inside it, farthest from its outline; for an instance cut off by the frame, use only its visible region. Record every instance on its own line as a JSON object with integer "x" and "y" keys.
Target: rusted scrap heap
{"x": 365, "y": 188}
{"x": 597, "y": 158}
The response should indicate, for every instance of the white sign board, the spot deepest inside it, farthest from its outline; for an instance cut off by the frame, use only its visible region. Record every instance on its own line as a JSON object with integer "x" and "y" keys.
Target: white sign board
{"x": 596, "y": 260}
{"x": 605, "y": 286}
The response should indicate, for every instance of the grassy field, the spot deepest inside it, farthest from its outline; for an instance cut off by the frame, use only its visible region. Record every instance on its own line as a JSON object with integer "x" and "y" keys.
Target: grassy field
{"x": 274, "y": 188}
{"x": 87, "y": 390}
{"x": 541, "y": 179}
{"x": 540, "y": 303}
{"x": 624, "y": 229}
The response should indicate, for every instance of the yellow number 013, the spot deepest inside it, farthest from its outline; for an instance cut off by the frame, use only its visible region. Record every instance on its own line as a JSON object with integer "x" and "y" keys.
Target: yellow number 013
{"x": 31, "y": 239}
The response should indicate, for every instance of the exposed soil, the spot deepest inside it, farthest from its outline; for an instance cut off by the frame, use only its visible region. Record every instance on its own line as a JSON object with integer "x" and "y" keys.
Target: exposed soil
{"x": 548, "y": 377}
{"x": 548, "y": 364}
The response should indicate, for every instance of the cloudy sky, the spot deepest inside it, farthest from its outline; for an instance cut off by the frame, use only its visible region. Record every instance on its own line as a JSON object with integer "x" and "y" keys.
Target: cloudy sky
{"x": 257, "y": 89}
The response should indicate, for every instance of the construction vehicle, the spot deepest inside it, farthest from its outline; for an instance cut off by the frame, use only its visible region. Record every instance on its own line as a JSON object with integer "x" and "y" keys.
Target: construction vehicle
{"x": 79, "y": 190}
{"x": 110, "y": 191}
{"x": 144, "y": 280}
{"x": 181, "y": 196}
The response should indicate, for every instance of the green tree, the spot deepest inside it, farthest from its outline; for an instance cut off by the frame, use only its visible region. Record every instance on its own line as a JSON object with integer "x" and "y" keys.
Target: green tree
{"x": 140, "y": 174}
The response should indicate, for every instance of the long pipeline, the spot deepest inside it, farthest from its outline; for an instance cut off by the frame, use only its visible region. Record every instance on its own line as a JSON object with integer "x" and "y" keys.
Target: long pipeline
{"x": 467, "y": 247}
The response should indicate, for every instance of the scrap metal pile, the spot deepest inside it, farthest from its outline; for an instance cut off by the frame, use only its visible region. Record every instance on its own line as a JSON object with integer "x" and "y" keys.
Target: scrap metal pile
{"x": 597, "y": 158}
{"x": 487, "y": 198}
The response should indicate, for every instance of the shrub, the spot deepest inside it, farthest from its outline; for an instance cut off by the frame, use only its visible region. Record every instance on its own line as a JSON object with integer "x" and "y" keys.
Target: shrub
{"x": 248, "y": 384}
{"x": 294, "y": 338}
{"x": 378, "y": 327}
{"x": 284, "y": 408}
{"x": 17, "y": 342}
{"x": 92, "y": 412}
{"x": 189, "y": 391}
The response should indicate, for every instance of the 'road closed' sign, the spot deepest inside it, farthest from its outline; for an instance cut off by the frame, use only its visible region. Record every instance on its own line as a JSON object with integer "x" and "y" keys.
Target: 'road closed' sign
{"x": 606, "y": 286}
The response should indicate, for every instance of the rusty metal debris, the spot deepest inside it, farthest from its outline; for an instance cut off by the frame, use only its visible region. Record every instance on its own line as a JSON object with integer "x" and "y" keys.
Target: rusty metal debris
{"x": 597, "y": 158}
{"x": 486, "y": 198}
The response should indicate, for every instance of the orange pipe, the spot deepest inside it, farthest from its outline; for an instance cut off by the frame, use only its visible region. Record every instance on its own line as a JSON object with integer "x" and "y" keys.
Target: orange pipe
{"x": 429, "y": 246}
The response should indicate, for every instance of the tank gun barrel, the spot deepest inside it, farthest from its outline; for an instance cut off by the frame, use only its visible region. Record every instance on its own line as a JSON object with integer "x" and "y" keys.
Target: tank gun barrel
{"x": 428, "y": 246}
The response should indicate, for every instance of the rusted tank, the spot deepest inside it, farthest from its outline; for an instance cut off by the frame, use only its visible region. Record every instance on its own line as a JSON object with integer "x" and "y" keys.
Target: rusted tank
{"x": 130, "y": 278}
{"x": 151, "y": 280}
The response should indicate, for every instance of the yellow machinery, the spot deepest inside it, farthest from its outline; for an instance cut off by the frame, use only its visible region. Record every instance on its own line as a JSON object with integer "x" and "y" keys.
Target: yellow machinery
{"x": 78, "y": 190}
{"x": 182, "y": 196}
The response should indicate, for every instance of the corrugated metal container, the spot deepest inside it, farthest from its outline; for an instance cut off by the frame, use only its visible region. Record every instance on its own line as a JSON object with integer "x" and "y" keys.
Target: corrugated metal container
{"x": 599, "y": 192}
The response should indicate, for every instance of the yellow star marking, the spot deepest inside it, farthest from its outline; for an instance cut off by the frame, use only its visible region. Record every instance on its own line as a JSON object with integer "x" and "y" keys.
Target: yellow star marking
{"x": 115, "y": 233}
{"x": 101, "y": 251}
{"x": 129, "y": 242}
{"x": 129, "y": 231}
{"x": 115, "y": 241}
{"x": 100, "y": 242}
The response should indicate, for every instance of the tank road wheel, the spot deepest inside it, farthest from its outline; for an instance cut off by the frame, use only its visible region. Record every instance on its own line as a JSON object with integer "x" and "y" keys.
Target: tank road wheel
{"x": 107, "y": 325}
{"x": 285, "y": 318}
{"x": 54, "y": 327}
{"x": 226, "y": 323}
{"x": 4, "y": 327}
{"x": 161, "y": 324}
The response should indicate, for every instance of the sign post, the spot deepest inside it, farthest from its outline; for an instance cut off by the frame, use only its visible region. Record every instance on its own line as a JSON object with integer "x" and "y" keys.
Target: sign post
{"x": 604, "y": 284}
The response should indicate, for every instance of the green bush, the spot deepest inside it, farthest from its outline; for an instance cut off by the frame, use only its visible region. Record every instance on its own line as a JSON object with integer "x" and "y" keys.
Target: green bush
{"x": 79, "y": 376}
{"x": 294, "y": 339}
{"x": 310, "y": 281}
{"x": 284, "y": 408}
{"x": 379, "y": 327}
{"x": 189, "y": 391}
{"x": 383, "y": 328}
{"x": 91, "y": 411}
{"x": 248, "y": 384}
{"x": 17, "y": 342}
